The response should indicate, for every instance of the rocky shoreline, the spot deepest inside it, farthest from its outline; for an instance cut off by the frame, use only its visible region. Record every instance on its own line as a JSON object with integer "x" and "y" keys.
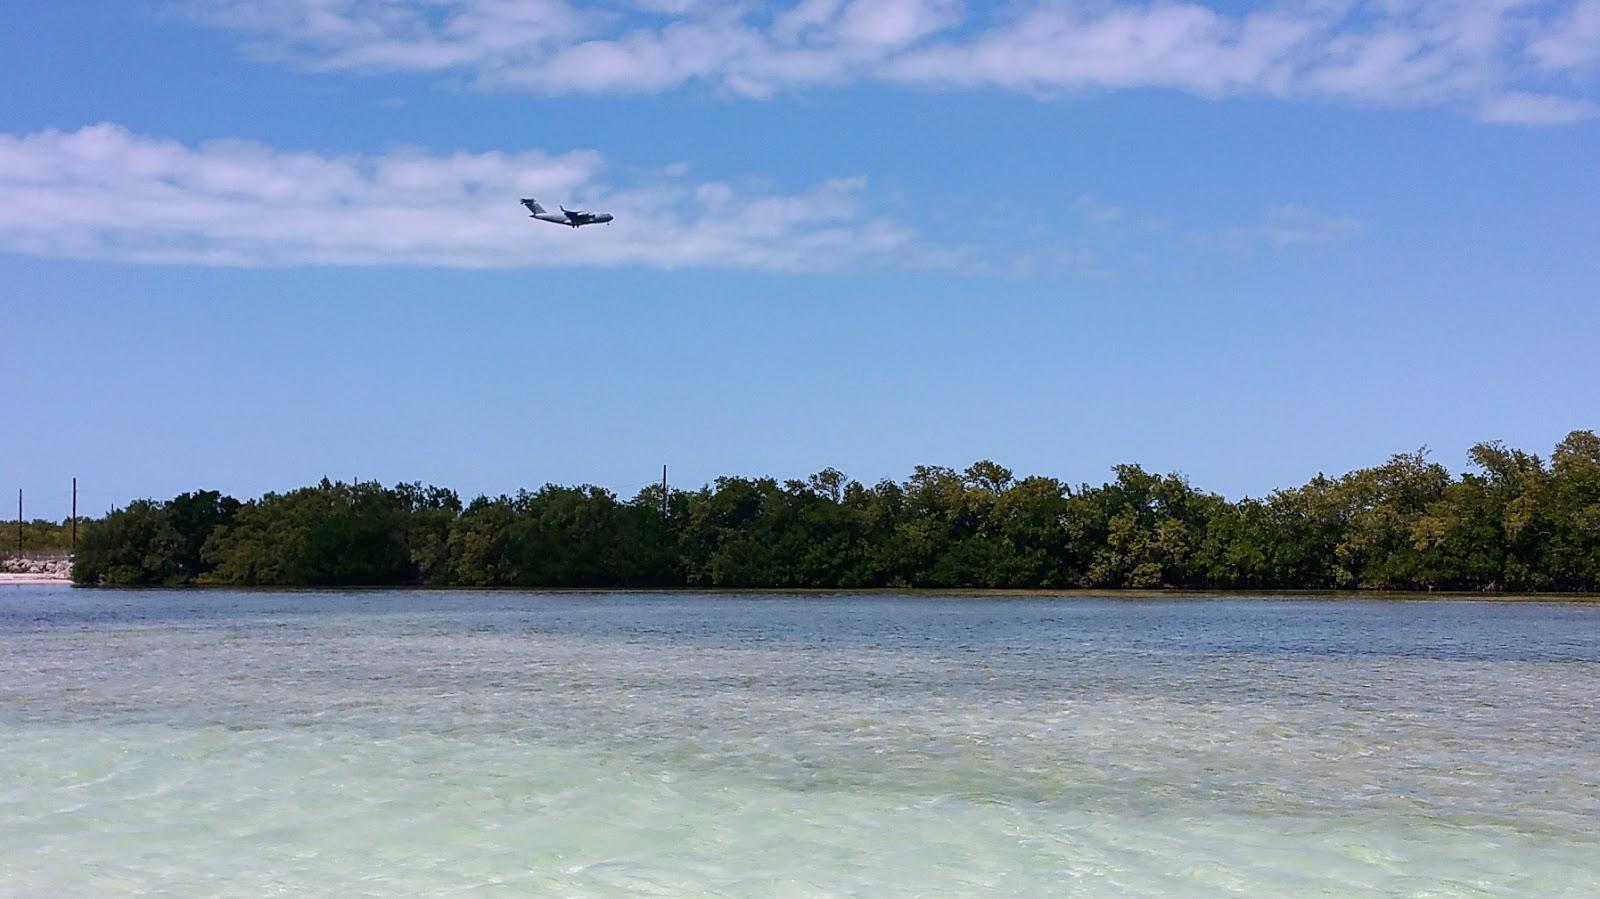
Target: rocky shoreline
{"x": 35, "y": 571}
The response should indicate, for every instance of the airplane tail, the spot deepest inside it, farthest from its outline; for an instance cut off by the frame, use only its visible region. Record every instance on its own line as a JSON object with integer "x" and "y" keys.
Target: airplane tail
{"x": 533, "y": 206}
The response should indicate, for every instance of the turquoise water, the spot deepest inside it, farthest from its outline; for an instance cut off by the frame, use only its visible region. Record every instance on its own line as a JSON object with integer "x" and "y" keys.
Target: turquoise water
{"x": 394, "y": 743}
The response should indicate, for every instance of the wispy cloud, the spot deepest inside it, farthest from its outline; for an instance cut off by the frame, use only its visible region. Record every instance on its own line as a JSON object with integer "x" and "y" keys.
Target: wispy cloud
{"x": 1282, "y": 227}
{"x": 1528, "y": 61}
{"x": 102, "y": 192}
{"x": 1569, "y": 41}
{"x": 1095, "y": 211}
{"x": 1519, "y": 108}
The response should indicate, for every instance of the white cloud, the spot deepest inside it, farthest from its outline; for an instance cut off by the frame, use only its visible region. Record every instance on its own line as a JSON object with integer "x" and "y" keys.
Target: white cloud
{"x": 894, "y": 23}
{"x": 1571, "y": 41}
{"x": 1518, "y": 108}
{"x": 1282, "y": 227}
{"x": 1293, "y": 224}
{"x": 1093, "y": 210}
{"x": 102, "y": 192}
{"x": 1466, "y": 53}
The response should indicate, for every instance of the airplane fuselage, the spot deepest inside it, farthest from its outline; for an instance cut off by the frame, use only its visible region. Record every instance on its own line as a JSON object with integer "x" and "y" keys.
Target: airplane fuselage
{"x": 560, "y": 219}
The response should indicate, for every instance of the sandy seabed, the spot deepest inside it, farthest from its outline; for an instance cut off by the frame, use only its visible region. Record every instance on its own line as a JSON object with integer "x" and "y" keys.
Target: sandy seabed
{"x": 377, "y": 743}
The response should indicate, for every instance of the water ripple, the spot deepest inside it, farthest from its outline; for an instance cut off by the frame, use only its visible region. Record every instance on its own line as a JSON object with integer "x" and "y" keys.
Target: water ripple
{"x": 401, "y": 744}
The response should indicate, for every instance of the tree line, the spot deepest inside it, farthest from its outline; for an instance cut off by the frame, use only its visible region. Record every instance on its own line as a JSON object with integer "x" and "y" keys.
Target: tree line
{"x": 1514, "y": 522}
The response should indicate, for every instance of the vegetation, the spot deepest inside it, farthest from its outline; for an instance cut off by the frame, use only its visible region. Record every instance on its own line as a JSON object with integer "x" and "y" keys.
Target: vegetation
{"x": 39, "y": 537}
{"x": 152, "y": 542}
{"x": 1516, "y": 522}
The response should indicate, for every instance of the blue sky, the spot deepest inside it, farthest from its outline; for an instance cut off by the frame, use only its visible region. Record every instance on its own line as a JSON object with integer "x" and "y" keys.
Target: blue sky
{"x": 246, "y": 245}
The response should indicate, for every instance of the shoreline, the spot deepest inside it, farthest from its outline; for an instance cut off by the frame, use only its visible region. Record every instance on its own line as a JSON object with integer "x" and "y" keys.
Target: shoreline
{"x": 1078, "y": 593}
{"x": 32, "y": 580}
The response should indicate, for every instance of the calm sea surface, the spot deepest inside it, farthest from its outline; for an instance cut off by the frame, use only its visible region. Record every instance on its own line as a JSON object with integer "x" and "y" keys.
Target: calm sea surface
{"x": 398, "y": 743}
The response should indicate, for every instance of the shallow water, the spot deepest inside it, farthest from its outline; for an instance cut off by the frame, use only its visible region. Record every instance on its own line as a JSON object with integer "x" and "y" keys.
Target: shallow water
{"x": 396, "y": 743}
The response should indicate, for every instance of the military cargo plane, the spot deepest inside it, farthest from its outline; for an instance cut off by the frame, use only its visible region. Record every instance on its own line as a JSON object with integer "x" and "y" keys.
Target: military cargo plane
{"x": 572, "y": 218}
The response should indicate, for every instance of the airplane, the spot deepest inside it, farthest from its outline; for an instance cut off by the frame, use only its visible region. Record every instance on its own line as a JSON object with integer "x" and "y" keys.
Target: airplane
{"x": 570, "y": 217}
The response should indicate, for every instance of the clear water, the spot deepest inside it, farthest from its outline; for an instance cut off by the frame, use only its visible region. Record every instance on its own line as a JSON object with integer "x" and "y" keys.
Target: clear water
{"x": 389, "y": 743}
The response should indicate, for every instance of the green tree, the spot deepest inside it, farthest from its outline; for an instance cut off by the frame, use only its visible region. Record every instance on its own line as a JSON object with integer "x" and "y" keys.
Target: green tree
{"x": 1512, "y": 522}
{"x": 1572, "y": 559}
{"x": 333, "y": 534}
{"x": 151, "y": 542}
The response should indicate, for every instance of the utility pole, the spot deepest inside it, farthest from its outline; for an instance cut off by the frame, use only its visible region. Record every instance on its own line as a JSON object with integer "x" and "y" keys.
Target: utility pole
{"x": 664, "y": 508}
{"x": 19, "y": 522}
{"x": 74, "y": 516}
